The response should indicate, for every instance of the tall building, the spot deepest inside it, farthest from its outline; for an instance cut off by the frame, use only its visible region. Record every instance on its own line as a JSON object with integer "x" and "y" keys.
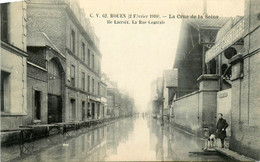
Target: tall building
{"x": 13, "y": 57}
{"x": 74, "y": 70}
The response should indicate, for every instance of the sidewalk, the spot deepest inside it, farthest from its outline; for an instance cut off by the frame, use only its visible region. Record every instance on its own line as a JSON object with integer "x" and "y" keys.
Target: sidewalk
{"x": 224, "y": 151}
{"x": 233, "y": 155}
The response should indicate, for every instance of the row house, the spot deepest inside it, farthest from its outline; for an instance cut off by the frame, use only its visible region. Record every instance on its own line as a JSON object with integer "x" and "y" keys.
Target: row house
{"x": 63, "y": 47}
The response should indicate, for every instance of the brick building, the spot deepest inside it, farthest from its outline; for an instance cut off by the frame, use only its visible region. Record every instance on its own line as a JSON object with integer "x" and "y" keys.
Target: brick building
{"x": 244, "y": 92}
{"x": 63, "y": 22}
{"x": 13, "y": 64}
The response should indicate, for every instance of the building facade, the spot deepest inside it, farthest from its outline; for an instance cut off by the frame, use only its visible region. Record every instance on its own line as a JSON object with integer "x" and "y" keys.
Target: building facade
{"x": 13, "y": 64}
{"x": 46, "y": 78}
{"x": 65, "y": 25}
{"x": 244, "y": 91}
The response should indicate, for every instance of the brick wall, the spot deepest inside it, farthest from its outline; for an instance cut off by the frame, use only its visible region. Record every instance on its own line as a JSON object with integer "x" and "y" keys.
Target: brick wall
{"x": 186, "y": 112}
{"x": 36, "y": 81}
{"x": 245, "y": 131}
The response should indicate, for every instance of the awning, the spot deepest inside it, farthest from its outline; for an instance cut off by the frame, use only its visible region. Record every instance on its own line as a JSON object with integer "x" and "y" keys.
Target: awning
{"x": 236, "y": 33}
{"x": 94, "y": 98}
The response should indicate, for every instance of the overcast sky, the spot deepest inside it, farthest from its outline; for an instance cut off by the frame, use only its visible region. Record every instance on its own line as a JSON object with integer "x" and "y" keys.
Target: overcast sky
{"x": 134, "y": 55}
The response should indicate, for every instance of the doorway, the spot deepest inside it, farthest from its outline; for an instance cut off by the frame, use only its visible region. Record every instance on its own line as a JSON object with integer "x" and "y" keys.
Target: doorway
{"x": 73, "y": 109}
{"x": 37, "y": 105}
{"x": 54, "y": 108}
{"x": 83, "y": 110}
{"x": 93, "y": 111}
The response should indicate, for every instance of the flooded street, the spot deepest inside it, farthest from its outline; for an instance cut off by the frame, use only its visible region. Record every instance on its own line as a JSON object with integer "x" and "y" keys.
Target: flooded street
{"x": 131, "y": 139}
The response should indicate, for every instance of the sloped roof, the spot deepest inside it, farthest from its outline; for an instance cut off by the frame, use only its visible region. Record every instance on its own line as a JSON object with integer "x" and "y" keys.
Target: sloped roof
{"x": 208, "y": 23}
{"x": 40, "y": 39}
{"x": 171, "y": 78}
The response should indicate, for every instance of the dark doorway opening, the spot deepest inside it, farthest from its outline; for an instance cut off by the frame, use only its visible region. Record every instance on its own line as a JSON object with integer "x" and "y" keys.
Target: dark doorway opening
{"x": 98, "y": 111}
{"x": 54, "y": 108}
{"x": 83, "y": 110}
{"x": 37, "y": 105}
{"x": 73, "y": 109}
{"x": 93, "y": 111}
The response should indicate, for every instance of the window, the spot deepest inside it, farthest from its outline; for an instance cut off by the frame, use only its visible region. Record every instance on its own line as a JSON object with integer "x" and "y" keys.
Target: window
{"x": 93, "y": 86}
{"x": 83, "y": 110}
{"x": 88, "y": 83}
{"x": 83, "y": 53}
{"x": 72, "y": 41}
{"x": 72, "y": 75}
{"x": 99, "y": 68}
{"x": 37, "y": 105}
{"x": 73, "y": 109}
{"x": 4, "y": 22}
{"x": 98, "y": 88}
{"x": 83, "y": 81}
{"x": 5, "y": 91}
{"x": 93, "y": 61}
{"x": 88, "y": 57}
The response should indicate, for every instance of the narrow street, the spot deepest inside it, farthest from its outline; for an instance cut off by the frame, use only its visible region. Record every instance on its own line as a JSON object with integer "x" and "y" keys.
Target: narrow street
{"x": 137, "y": 138}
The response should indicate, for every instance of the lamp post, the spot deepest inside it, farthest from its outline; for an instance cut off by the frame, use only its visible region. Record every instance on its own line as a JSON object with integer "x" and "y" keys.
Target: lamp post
{"x": 162, "y": 124}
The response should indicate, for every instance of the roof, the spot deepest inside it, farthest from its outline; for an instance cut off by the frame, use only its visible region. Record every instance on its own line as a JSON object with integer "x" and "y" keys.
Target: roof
{"x": 207, "y": 23}
{"x": 197, "y": 24}
{"x": 40, "y": 39}
{"x": 171, "y": 78}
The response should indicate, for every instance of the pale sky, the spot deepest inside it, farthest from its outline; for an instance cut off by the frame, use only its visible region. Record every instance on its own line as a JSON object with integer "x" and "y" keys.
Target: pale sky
{"x": 134, "y": 55}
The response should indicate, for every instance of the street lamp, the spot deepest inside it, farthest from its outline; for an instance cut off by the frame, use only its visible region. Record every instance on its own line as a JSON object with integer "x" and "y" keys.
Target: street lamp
{"x": 162, "y": 111}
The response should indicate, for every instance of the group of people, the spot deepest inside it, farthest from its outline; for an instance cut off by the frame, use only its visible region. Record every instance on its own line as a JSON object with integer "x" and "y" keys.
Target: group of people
{"x": 220, "y": 133}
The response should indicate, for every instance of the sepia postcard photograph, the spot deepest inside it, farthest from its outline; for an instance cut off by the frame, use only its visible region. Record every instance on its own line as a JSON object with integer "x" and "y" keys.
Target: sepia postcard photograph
{"x": 130, "y": 80}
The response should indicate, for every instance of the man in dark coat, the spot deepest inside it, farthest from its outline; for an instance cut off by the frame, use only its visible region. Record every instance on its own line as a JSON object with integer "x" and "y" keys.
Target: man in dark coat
{"x": 221, "y": 129}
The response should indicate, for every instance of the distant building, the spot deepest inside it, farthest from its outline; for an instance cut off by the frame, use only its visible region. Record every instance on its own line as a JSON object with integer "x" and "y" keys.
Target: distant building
{"x": 103, "y": 93}
{"x": 13, "y": 64}
{"x": 170, "y": 84}
{"x": 157, "y": 98}
{"x": 64, "y": 24}
{"x": 113, "y": 98}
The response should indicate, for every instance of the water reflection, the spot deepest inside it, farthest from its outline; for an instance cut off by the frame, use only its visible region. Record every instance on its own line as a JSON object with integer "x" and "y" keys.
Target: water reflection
{"x": 128, "y": 139}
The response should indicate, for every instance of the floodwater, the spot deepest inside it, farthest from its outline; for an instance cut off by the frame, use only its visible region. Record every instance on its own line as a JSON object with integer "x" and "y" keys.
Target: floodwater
{"x": 130, "y": 139}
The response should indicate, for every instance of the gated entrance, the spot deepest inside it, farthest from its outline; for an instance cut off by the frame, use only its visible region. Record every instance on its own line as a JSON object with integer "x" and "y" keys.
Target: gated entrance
{"x": 54, "y": 92}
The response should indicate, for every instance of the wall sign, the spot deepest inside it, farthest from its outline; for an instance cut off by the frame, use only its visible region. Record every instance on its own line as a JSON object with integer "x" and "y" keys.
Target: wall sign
{"x": 226, "y": 41}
